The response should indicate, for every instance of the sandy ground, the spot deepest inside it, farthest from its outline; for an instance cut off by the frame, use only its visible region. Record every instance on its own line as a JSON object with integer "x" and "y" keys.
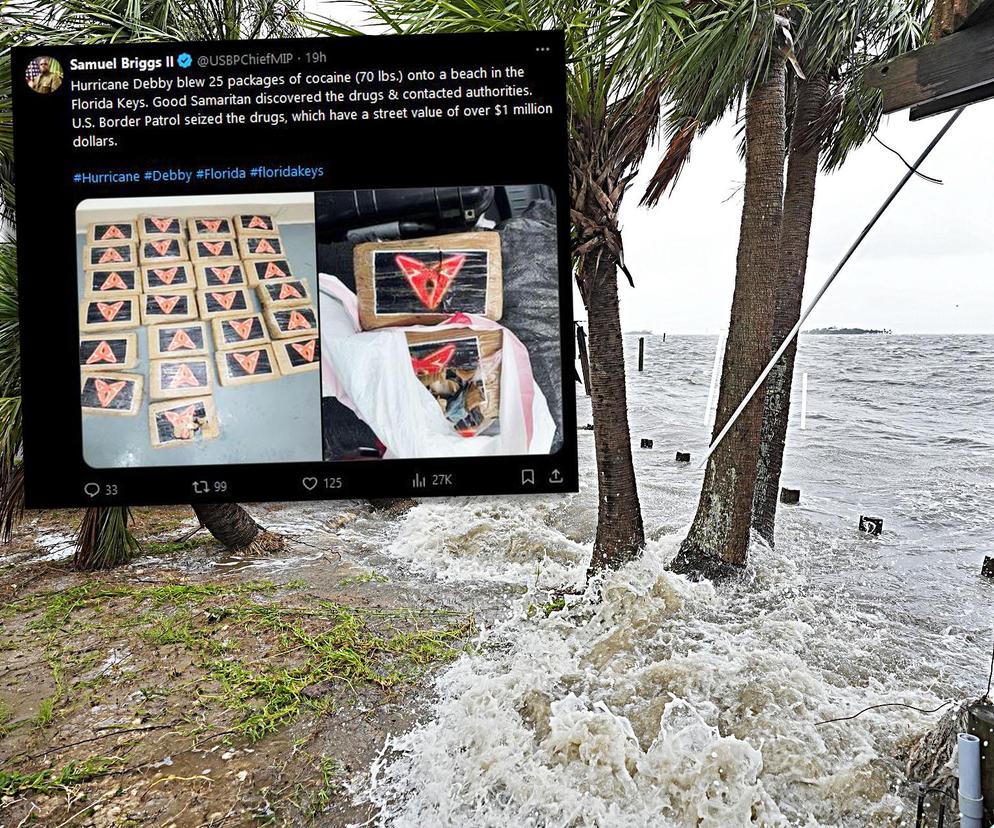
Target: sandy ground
{"x": 157, "y": 694}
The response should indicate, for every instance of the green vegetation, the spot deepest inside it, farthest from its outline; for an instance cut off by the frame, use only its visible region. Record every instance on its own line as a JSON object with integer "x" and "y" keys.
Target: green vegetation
{"x": 319, "y": 654}
{"x": 365, "y": 578}
{"x": 54, "y": 780}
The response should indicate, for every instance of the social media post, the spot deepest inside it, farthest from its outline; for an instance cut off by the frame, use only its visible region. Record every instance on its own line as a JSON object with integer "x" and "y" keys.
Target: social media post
{"x": 198, "y": 331}
{"x": 440, "y": 321}
{"x": 288, "y": 257}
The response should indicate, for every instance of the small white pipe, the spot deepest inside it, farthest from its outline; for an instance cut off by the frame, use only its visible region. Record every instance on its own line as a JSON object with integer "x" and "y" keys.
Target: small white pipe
{"x": 804, "y": 399}
{"x": 971, "y": 799}
{"x": 714, "y": 378}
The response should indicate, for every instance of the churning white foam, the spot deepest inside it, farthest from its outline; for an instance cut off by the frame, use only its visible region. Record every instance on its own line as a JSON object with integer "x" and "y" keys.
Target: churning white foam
{"x": 649, "y": 700}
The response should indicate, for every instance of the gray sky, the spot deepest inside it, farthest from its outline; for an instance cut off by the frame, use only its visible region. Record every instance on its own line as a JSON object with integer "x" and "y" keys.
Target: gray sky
{"x": 927, "y": 267}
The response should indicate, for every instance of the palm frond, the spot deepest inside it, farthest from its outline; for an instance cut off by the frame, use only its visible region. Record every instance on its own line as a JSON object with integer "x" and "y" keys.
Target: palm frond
{"x": 676, "y": 156}
{"x": 104, "y": 539}
{"x": 11, "y": 499}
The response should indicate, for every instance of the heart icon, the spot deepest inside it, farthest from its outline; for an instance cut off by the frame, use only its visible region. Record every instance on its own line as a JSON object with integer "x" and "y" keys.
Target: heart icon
{"x": 309, "y": 483}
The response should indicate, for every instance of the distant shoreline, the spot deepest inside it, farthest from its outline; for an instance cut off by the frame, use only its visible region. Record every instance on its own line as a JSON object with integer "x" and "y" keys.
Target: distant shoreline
{"x": 833, "y": 331}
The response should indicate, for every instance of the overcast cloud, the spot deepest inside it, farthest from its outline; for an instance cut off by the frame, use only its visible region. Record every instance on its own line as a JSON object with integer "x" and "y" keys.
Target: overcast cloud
{"x": 927, "y": 267}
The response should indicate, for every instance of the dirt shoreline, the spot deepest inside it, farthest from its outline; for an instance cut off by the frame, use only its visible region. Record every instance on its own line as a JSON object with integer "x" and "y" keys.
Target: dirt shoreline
{"x": 153, "y": 695}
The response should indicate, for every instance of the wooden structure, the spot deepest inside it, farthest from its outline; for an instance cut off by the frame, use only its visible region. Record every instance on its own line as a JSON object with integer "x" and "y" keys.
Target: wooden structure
{"x": 955, "y": 69}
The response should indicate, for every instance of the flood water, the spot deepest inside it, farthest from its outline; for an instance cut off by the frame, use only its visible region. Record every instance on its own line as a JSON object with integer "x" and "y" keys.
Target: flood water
{"x": 652, "y": 701}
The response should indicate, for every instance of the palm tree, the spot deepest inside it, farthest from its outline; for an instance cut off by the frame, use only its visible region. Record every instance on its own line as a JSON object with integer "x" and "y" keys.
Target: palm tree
{"x": 833, "y": 114}
{"x": 614, "y": 57}
{"x": 738, "y": 49}
{"x": 105, "y": 538}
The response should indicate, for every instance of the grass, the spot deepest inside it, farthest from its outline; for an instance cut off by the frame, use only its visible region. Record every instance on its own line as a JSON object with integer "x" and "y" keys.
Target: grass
{"x": 365, "y": 578}
{"x": 317, "y": 654}
{"x": 46, "y": 712}
{"x": 53, "y": 780}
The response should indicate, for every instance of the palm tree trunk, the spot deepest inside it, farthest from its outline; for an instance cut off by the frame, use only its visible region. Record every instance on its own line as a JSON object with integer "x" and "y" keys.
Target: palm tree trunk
{"x": 230, "y": 524}
{"x": 718, "y": 540}
{"x": 802, "y": 171}
{"x": 104, "y": 539}
{"x": 620, "y": 534}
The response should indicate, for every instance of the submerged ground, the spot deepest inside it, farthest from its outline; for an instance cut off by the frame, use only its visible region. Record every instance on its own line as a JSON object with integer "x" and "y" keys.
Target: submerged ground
{"x": 420, "y": 667}
{"x": 194, "y": 688}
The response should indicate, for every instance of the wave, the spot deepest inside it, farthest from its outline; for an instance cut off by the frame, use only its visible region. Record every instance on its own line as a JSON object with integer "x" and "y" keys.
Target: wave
{"x": 654, "y": 701}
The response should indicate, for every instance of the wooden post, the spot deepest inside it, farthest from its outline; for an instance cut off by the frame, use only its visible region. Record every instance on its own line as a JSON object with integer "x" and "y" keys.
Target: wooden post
{"x": 981, "y": 725}
{"x": 641, "y": 351}
{"x": 581, "y": 349}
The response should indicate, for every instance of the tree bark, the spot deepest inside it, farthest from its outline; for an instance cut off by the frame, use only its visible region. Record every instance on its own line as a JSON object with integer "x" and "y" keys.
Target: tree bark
{"x": 718, "y": 541}
{"x": 620, "y": 534}
{"x": 230, "y": 524}
{"x": 799, "y": 197}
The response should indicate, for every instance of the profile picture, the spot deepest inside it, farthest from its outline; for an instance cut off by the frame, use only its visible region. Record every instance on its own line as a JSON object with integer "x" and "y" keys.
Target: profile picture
{"x": 44, "y": 74}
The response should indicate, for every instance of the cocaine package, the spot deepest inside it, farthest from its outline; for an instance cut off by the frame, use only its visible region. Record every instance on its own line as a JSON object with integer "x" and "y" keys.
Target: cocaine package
{"x": 424, "y": 281}
{"x": 461, "y": 369}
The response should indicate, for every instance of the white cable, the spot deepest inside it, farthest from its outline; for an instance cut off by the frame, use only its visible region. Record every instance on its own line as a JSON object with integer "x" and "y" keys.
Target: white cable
{"x": 821, "y": 292}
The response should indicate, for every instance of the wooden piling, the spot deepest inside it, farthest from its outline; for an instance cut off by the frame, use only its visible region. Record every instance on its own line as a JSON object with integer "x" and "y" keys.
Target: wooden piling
{"x": 581, "y": 349}
{"x": 641, "y": 351}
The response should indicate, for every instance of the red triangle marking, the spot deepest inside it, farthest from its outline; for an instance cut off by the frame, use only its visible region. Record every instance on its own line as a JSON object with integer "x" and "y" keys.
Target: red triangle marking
{"x": 102, "y": 353}
{"x": 287, "y": 290}
{"x": 166, "y": 303}
{"x": 109, "y": 310}
{"x": 305, "y": 350}
{"x": 242, "y": 328}
{"x": 182, "y": 422}
{"x": 181, "y": 341}
{"x": 114, "y": 282}
{"x": 112, "y": 232}
{"x": 264, "y": 246}
{"x": 211, "y": 224}
{"x": 111, "y": 255}
{"x": 248, "y": 361}
{"x": 435, "y": 361}
{"x": 225, "y": 300}
{"x": 223, "y": 273}
{"x": 162, "y": 223}
{"x": 297, "y": 320}
{"x": 273, "y": 270}
{"x": 166, "y": 276}
{"x": 162, "y": 246}
{"x": 430, "y": 284}
{"x": 214, "y": 248}
{"x": 106, "y": 391}
{"x": 258, "y": 221}
{"x": 184, "y": 377}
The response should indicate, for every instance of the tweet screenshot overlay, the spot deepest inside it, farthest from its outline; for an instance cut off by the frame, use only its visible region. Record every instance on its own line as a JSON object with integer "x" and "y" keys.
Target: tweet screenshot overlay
{"x": 319, "y": 268}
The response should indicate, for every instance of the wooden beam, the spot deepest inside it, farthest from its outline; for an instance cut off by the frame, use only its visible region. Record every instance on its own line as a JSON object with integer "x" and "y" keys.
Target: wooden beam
{"x": 951, "y": 102}
{"x": 954, "y": 65}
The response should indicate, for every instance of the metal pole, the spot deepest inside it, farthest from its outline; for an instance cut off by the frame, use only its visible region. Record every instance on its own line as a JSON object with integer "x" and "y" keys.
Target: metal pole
{"x": 821, "y": 292}
{"x": 641, "y": 351}
{"x": 581, "y": 348}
